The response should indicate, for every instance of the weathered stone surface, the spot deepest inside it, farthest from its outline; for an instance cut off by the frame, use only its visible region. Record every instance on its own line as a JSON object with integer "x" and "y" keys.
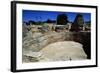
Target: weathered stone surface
{"x": 28, "y": 59}
{"x": 35, "y": 42}
{"x": 59, "y": 51}
{"x": 66, "y": 50}
{"x": 25, "y": 30}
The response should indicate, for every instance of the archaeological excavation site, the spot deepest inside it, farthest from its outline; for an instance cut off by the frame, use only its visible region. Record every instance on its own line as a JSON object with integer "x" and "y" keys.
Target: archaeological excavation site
{"x": 55, "y": 36}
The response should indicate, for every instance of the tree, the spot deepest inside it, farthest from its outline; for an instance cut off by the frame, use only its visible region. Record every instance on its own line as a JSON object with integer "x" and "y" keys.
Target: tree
{"x": 62, "y": 19}
{"x": 31, "y": 22}
{"x": 49, "y": 21}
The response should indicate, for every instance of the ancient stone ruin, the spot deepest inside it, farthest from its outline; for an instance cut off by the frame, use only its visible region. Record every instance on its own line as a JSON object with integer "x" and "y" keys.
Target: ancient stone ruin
{"x": 58, "y": 41}
{"x": 77, "y": 25}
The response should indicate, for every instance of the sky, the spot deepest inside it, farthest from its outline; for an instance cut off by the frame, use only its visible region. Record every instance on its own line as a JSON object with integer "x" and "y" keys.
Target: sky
{"x": 36, "y": 16}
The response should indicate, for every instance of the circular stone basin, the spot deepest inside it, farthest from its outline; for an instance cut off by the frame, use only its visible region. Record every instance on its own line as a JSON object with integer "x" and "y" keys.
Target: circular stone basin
{"x": 63, "y": 51}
